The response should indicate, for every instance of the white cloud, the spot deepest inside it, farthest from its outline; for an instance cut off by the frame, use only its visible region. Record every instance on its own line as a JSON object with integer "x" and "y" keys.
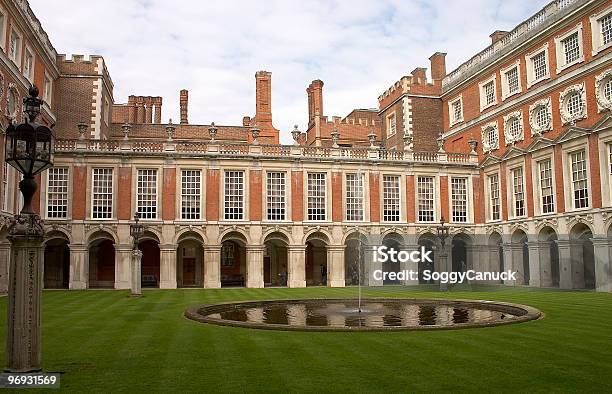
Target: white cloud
{"x": 214, "y": 48}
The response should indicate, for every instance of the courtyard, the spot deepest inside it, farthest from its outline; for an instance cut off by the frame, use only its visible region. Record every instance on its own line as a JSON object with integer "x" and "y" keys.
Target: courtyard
{"x": 105, "y": 340}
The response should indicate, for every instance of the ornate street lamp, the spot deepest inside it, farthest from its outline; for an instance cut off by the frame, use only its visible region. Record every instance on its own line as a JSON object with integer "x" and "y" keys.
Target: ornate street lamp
{"x": 136, "y": 231}
{"x": 443, "y": 233}
{"x": 29, "y": 149}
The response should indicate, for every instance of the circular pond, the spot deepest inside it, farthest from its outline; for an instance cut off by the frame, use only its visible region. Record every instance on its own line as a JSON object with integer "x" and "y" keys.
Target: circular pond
{"x": 375, "y": 314}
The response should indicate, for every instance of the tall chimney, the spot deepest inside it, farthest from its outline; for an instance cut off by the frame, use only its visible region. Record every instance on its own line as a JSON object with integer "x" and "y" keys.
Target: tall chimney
{"x": 149, "y": 109}
{"x": 315, "y": 99}
{"x": 437, "y": 63}
{"x": 184, "y": 101}
{"x": 158, "y": 106}
{"x": 131, "y": 110}
{"x": 263, "y": 92}
{"x": 497, "y": 35}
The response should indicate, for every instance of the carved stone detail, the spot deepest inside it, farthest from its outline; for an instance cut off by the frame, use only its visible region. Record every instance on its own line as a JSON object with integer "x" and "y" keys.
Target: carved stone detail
{"x": 533, "y": 110}
{"x": 564, "y": 97}
{"x": 489, "y": 144}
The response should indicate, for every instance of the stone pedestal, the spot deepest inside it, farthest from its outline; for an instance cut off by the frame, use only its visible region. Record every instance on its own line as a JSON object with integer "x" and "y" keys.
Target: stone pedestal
{"x": 254, "y": 268}
{"x": 136, "y": 282}
{"x": 24, "y": 297}
{"x": 297, "y": 266}
{"x": 167, "y": 267}
{"x": 212, "y": 266}
{"x": 335, "y": 266}
{"x": 79, "y": 269}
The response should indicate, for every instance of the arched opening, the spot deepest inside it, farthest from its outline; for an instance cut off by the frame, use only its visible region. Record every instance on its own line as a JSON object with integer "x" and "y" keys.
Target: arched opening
{"x": 583, "y": 257}
{"x": 427, "y": 240}
{"x": 101, "y": 261}
{"x": 459, "y": 253}
{"x": 190, "y": 261}
{"x": 496, "y": 253}
{"x": 549, "y": 257}
{"x": 354, "y": 258}
{"x": 233, "y": 260}
{"x": 316, "y": 259}
{"x": 392, "y": 241}
{"x": 520, "y": 257}
{"x": 151, "y": 267}
{"x": 57, "y": 262}
{"x": 275, "y": 260}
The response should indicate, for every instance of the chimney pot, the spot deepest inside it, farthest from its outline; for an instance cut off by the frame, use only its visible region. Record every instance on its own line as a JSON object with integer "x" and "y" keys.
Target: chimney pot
{"x": 184, "y": 101}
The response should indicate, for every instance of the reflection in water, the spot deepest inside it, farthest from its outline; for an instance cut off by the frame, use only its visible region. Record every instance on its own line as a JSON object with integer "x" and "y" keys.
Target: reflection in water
{"x": 374, "y": 314}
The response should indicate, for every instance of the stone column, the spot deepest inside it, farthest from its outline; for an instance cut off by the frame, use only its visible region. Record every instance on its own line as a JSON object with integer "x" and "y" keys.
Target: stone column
{"x": 167, "y": 269}
{"x": 369, "y": 265}
{"x": 136, "y": 274}
{"x": 545, "y": 264}
{"x": 603, "y": 274}
{"x": 408, "y": 266}
{"x": 5, "y": 256}
{"x": 565, "y": 263}
{"x": 534, "y": 263}
{"x": 254, "y": 267}
{"x": 123, "y": 267}
{"x": 79, "y": 267}
{"x": 335, "y": 266}
{"x": 212, "y": 266}
{"x": 296, "y": 265}
{"x": 25, "y": 291}
{"x": 508, "y": 261}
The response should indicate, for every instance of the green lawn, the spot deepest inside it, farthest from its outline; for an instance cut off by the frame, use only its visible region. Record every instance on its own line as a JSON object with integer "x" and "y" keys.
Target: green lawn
{"x": 108, "y": 341}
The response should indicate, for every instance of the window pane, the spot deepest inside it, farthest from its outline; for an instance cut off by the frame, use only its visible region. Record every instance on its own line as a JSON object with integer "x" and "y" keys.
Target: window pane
{"x": 234, "y": 195}
{"x": 316, "y": 196}
{"x": 391, "y": 198}
{"x": 147, "y": 194}
{"x": 459, "y": 199}
{"x": 571, "y": 48}
{"x": 539, "y": 65}
{"x": 102, "y": 199}
{"x": 425, "y": 193}
{"x": 190, "y": 194}
{"x": 276, "y": 196}
{"x": 519, "y": 197}
{"x": 494, "y": 195}
{"x": 354, "y": 197}
{"x": 548, "y": 199}
{"x": 512, "y": 80}
{"x": 57, "y": 192}
{"x": 579, "y": 179}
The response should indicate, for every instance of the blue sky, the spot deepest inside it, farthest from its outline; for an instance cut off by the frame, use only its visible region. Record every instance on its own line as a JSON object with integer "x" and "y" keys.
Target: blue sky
{"x": 213, "y": 48}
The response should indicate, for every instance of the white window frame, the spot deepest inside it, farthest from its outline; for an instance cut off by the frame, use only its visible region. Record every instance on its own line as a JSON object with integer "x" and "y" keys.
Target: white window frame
{"x": 491, "y": 127}
{"x": 47, "y": 96}
{"x": 451, "y": 205}
{"x": 326, "y": 187}
{"x": 29, "y": 76}
{"x": 481, "y": 88}
{"x": 48, "y": 193}
{"x": 391, "y": 116}
{"x": 198, "y": 197}
{"x": 6, "y": 181}
{"x": 451, "y": 111}
{"x": 560, "y": 48}
{"x": 511, "y": 191}
{"x": 112, "y": 196}
{"x": 504, "y": 79}
{"x": 384, "y": 188}
{"x": 596, "y": 33}
{"x": 564, "y": 96}
{"x": 603, "y": 103}
{"x": 19, "y": 48}
{"x": 589, "y": 194}
{"x": 434, "y": 200}
{"x": 359, "y": 199}
{"x": 283, "y": 198}
{"x": 155, "y": 172}
{"x": 489, "y": 197}
{"x": 533, "y": 123}
{"x": 243, "y": 198}
{"x": 529, "y": 65}
{"x": 537, "y": 184}
{"x": 3, "y": 26}
{"x": 508, "y": 136}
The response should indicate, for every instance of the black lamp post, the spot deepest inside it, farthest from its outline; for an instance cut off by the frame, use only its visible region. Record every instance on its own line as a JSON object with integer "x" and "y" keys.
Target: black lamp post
{"x": 443, "y": 233}
{"x": 28, "y": 148}
{"x": 136, "y": 231}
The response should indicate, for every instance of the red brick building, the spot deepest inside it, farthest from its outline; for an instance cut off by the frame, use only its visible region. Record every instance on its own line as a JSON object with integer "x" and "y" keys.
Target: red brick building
{"x": 513, "y": 149}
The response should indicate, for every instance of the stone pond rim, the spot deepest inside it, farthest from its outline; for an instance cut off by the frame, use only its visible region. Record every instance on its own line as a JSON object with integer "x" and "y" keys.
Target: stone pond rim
{"x": 523, "y": 313}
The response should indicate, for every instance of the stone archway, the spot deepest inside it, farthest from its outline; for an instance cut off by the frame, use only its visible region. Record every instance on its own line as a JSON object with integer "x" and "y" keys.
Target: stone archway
{"x": 427, "y": 240}
{"x": 233, "y": 260}
{"x": 459, "y": 253}
{"x": 549, "y": 257}
{"x": 56, "y": 270}
{"x": 520, "y": 257}
{"x": 190, "y": 260}
{"x": 151, "y": 260}
{"x": 354, "y": 259}
{"x": 317, "y": 266}
{"x": 392, "y": 241}
{"x": 101, "y": 265}
{"x": 276, "y": 264}
{"x": 582, "y": 257}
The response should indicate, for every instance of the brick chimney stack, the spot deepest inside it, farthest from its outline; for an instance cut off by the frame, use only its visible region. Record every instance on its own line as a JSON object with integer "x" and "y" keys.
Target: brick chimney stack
{"x": 437, "y": 63}
{"x": 419, "y": 75}
{"x": 158, "y": 107}
{"x": 263, "y": 91}
{"x": 315, "y": 99}
{"x": 184, "y": 99}
{"x": 497, "y": 35}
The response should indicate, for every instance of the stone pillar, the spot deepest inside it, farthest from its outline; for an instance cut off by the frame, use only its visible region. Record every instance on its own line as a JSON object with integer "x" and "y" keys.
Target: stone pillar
{"x": 123, "y": 264}
{"x": 534, "y": 263}
{"x": 167, "y": 269}
{"x": 25, "y": 292}
{"x": 565, "y": 263}
{"x": 545, "y": 264}
{"x": 254, "y": 268}
{"x": 5, "y": 256}
{"x": 369, "y": 265}
{"x": 136, "y": 272}
{"x": 79, "y": 267}
{"x": 296, "y": 266}
{"x": 508, "y": 261}
{"x": 408, "y": 266}
{"x": 335, "y": 265}
{"x": 212, "y": 266}
{"x": 603, "y": 274}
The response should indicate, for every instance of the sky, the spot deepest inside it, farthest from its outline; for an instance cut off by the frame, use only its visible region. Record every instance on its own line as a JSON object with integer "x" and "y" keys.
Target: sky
{"x": 213, "y": 48}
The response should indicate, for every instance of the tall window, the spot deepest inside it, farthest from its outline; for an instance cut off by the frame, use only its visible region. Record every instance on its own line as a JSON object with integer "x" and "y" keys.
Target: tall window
{"x": 47, "y": 90}
{"x": 354, "y": 197}
{"x": 571, "y": 48}
{"x": 5, "y": 183}
{"x": 546, "y": 186}
{"x": 28, "y": 65}
{"x": 540, "y": 68}
{"x": 459, "y": 199}
{"x": 574, "y": 104}
{"x": 234, "y": 195}
{"x": 494, "y": 196}
{"x": 57, "y": 192}
{"x": 606, "y": 29}
{"x": 579, "y": 179}
{"x": 519, "y": 195}
{"x": 425, "y": 193}
{"x": 277, "y": 203}
{"x": 457, "y": 111}
{"x": 14, "y": 51}
{"x": 392, "y": 125}
{"x": 191, "y": 186}
{"x": 512, "y": 80}
{"x": 102, "y": 198}
{"x": 489, "y": 92}
{"x": 316, "y": 196}
{"x": 147, "y": 194}
{"x": 391, "y": 198}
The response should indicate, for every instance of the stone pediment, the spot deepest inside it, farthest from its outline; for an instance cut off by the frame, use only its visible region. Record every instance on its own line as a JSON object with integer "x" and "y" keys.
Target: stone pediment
{"x": 571, "y": 133}
{"x": 513, "y": 152}
{"x": 540, "y": 143}
{"x": 489, "y": 160}
{"x": 604, "y": 124}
